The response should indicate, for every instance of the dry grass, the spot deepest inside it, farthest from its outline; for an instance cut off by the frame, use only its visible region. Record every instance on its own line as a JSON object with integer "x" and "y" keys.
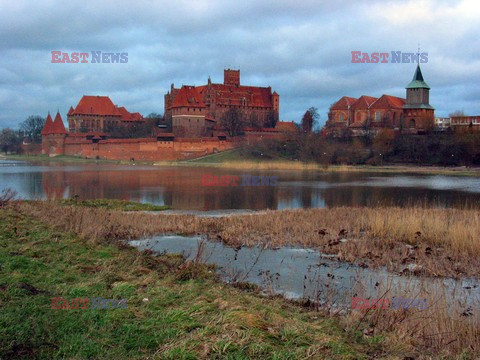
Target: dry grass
{"x": 448, "y": 327}
{"x": 442, "y": 242}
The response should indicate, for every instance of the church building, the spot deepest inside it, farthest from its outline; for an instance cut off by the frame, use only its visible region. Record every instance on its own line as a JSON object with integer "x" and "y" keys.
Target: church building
{"x": 413, "y": 115}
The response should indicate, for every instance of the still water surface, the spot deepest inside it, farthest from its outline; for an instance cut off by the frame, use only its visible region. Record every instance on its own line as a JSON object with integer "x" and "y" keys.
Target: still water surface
{"x": 181, "y": 187}
{"x": 305, "y": 273}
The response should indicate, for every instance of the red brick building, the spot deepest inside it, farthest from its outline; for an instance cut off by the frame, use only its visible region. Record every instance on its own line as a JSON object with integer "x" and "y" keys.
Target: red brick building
{"x": 197, "y": 110}
{"x": 99, "y": 114}
{"x": 53, "y": 135}
{"x": 412, "y": 115}
{"x": 465, "y": 124}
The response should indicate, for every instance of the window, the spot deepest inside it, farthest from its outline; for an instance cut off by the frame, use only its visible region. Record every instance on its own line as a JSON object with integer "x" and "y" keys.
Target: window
{"x": 378, "y": 115}
{"x": 341, "y": 117}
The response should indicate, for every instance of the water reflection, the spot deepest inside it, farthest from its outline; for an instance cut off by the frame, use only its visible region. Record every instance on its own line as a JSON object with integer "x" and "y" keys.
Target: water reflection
{"x": 181, "y": 188}
{"x": 305, "y": 273}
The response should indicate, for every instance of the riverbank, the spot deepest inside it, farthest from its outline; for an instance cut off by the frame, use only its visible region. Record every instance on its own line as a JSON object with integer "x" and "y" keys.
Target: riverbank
{"x": 70, "y": 159}
{"x": 232, "y": 160}
{"x": 180, "y": 310}
{"x": 235, "y": 159}
{"x": 423, "y": 241}
{"x": 175, "y": 310}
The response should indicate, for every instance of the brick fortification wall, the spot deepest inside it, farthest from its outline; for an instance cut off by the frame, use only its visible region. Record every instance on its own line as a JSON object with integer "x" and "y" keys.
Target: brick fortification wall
{"x": 31, "y": 149}
{"x": 145, "y": 149}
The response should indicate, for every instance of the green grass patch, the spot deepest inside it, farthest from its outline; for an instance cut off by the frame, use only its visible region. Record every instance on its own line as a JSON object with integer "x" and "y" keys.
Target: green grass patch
{"x": 114, "y": 204}
{"x": 224, "y": 156}
{"x": 172, "y": 313}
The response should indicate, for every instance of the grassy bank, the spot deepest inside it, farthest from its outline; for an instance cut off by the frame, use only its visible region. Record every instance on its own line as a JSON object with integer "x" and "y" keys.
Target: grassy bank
{"x": 176, "y": 310}
{"x": 72, "y": 159}
{"x": 435, "y": 242}
{"x": 60, "y": 159}
{"x": 233, "y": 159}
{"x": 114, "y": 204}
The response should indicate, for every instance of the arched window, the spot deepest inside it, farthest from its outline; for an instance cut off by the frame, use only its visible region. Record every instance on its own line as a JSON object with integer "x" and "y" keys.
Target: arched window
{"x": 412, "y": 123}
{"x": 341, "y": 118}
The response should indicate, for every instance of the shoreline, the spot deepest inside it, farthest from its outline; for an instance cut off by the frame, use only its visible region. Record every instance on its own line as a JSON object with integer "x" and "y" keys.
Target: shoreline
{"x": 274, "y": 165}
{"x": 176, "y": 292}
{"x": 176, "y": 309}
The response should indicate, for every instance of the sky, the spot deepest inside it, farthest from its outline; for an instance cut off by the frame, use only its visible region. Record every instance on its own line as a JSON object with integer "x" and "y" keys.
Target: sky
{"x": 302, "y": 49}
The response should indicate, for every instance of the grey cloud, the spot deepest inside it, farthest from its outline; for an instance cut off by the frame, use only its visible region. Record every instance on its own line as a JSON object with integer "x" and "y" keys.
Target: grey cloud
{"x": 301, "y": 49}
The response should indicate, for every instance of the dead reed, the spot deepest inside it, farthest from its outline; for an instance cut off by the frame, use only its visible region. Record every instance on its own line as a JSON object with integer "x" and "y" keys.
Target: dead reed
{"x": 446, "y": 328}
{"x": 438, "y": 242}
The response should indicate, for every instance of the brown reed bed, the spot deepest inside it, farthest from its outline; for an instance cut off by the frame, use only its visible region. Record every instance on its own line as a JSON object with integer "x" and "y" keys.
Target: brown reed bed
{"x": 435, "y": 242}
{"x": 446, "y": 328}
{"x": 439, "y": 241}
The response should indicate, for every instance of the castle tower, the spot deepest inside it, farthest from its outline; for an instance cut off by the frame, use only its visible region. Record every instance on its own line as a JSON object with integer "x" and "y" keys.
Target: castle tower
{"x": 53, "y": 136}
{"x": 276, "y": 105}
{"x": 231, "y": 77}
{"x": 47, "y": 128}
{"x": 417, "y": 112}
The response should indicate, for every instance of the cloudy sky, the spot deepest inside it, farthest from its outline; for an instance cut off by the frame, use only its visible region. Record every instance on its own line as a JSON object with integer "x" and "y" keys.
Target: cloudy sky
{"x": 300, "y": 48}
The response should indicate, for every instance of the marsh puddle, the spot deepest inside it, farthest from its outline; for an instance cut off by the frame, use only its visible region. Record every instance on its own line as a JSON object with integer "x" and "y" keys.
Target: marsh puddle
{"x": 299, "y": 273}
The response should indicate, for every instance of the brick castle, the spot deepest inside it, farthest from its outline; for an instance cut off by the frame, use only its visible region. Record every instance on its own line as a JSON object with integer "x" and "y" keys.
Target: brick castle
{"x": 195, "y": 114}
{"x": 99, "y": 114}
{"x": 197, "y": 110}
{"x": 412, "y": 115}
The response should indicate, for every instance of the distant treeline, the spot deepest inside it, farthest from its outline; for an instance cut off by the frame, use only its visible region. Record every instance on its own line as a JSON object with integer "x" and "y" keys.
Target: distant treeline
{"x": 443, "y": 149}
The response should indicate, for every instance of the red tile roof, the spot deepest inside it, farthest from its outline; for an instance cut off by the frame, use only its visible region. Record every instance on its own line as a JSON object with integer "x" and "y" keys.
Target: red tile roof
{"x": 58, "y": 127}
{"x": 286, "y": 126}
{"x": 343, "y": 103}
{"x": 188, "y": 96}
{"x": 234, "y": 95}
{"x": 363, "y": 102}
{"x": 47, "y": 128}
{"x": 128, "y": 116}
{"x": 102, "y": 105}
{"x": 98, "y": 105}
{"x": 388, "y": 102}
{"x": 194, "y": 96}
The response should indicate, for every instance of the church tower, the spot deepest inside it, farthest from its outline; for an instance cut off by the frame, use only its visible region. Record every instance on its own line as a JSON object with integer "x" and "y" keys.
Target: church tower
{"x": 418, "y": 115}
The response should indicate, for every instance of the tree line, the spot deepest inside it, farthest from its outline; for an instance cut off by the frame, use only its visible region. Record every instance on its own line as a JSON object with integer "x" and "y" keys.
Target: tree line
{"x": 386, "y": 147}
{"x": 30, "y": 130}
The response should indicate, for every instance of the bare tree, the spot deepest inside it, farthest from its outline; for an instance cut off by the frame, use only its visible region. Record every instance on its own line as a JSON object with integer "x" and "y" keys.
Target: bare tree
{"x": 10, "y": 141}
{"x": 32, "y": 128}
{"x": 232, "y": 121}
{"x": 457, "y": 113}
{"x": 307, "y": 122}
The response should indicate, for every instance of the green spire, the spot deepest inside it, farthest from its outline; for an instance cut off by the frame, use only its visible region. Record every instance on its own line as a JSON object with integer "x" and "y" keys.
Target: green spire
{"x": 417, "y": 81}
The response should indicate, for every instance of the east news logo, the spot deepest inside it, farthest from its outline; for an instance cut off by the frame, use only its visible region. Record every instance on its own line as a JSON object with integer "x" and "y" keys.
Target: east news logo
{"x": 383, "y": 57}
{"x": 97, "y": 57}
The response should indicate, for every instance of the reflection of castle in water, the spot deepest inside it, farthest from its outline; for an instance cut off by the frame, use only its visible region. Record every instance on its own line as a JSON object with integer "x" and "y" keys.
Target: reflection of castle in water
{"x": 178, "y": 188}
{"x": 181, "y": 188}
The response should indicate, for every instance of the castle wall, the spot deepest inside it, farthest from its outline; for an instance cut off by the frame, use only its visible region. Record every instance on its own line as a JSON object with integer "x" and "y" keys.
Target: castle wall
{"x": 139, "y": 149}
